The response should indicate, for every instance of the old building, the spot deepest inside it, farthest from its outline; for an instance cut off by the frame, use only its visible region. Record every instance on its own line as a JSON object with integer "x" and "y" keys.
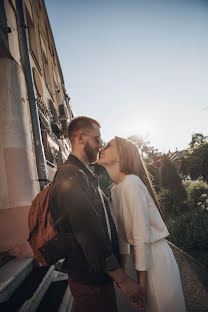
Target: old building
{"x": 34, "y": 113}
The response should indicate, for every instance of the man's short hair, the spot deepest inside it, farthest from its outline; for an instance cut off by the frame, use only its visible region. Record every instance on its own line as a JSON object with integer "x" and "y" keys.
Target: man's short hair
{"x": 80, "y": 123}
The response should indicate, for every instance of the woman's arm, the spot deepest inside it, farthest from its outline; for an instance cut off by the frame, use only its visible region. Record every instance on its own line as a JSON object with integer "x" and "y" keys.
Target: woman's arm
{"x": 138, "y": 222}
{"x": 142, "y": 281}
{"x": 141, "y": 277}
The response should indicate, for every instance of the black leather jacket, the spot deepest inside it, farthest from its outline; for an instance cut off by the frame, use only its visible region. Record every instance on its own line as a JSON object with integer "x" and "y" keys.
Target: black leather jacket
{"x": 75, "y": 196}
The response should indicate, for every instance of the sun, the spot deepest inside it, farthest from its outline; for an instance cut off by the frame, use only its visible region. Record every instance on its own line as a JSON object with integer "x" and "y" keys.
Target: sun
{"x": 142, "y": 129}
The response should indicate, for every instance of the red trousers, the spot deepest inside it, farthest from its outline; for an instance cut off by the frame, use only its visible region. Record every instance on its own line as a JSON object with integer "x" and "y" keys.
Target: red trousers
{"x": 97, "y": 298}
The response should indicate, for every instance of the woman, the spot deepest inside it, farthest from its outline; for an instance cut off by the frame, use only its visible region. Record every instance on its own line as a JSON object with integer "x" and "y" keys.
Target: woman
{"x": 140, "y": 225}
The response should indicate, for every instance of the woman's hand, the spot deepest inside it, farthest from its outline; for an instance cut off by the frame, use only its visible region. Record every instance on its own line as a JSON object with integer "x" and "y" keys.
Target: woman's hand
{"x": 142, "y": 281}
{"x": 143, "y": 290}
{"x": 140, "y": 305}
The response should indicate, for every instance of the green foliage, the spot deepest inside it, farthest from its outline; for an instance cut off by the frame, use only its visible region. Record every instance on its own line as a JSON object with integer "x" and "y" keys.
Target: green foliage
{"x": 166, "y": 201}
{"x": 197, "y": 138}
{"x": 195, "y": 162}
{"x": 169, "y": 177}
{"x": 171, "y": 180}
{"x": 188, "y": 229}
{"x": 194, "y": 190}
{"x": 190, "y": 232}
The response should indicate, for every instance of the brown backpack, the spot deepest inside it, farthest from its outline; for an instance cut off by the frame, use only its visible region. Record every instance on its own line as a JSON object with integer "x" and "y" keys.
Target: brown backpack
{"x": 47, "y": 244}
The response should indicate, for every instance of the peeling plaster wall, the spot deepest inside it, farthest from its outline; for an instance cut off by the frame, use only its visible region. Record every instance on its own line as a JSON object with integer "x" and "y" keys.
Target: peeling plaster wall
{"x": 18, "y": 174}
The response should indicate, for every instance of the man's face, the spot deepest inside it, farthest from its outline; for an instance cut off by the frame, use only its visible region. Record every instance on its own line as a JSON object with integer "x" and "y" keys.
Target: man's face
{"x": 92, "y": 144}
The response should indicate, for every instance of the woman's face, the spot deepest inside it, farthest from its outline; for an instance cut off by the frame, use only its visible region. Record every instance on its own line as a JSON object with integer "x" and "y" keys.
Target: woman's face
{"x": 109, "y": 154}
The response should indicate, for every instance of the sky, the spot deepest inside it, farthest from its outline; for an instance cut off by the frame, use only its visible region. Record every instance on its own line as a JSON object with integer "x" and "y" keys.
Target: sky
{"x": 136, "y": 66}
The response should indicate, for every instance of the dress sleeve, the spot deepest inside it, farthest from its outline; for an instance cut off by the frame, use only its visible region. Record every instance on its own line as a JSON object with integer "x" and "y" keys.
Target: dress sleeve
{"x": 136, "y": 203}
{"x": 124, "y": 246}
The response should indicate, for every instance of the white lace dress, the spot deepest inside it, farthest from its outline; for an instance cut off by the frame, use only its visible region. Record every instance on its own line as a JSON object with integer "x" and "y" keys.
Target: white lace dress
{"x": 140, "y": 225}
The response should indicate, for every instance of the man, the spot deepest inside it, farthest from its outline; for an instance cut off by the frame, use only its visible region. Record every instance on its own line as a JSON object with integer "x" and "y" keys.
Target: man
{"x": 93, "y": 261}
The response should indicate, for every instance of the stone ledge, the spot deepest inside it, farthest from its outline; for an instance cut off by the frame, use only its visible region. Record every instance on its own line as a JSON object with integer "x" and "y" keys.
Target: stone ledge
{"x": 194, "y": 278}
{"x": 199, "y": 269}
{"x": 12, "y": 274}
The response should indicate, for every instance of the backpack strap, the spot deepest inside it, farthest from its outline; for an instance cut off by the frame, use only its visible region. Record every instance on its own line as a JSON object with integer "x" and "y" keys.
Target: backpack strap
{"x": 33, "y": 230}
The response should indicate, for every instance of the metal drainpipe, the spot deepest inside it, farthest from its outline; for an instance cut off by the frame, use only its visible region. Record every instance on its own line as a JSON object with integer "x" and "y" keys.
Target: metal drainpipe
{"x": 25, "y": 59}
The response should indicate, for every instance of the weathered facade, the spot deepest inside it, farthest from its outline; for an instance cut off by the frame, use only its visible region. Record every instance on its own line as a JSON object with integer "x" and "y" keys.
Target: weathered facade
{"x": 34, "y": 113}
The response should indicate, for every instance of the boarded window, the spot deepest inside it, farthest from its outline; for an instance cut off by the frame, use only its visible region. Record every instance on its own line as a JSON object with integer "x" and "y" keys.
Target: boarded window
{"x": 57, "y": 90}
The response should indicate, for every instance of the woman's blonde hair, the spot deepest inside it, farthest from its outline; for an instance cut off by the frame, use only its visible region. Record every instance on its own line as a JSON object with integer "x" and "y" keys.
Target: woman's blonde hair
{"x": 131, "y": 163}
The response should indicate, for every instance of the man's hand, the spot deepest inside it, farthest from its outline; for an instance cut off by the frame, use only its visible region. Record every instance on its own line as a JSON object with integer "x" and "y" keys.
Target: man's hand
{"x": 142, "y": 304}
{"x": 132, "y": 290}
{"x": 129, "y": 287}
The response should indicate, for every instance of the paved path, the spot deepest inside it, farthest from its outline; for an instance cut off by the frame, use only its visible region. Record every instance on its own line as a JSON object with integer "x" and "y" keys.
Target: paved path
{"x": 194, "y": 281}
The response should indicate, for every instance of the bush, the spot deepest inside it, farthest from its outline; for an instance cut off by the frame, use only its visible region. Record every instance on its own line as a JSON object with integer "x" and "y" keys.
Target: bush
{"x": 189, "y": 231}
{"x": 194, "y": 190}
{"x": 166, "y": 201}
{"x": 171, "y": 180}
{"x": 169, "y": 176}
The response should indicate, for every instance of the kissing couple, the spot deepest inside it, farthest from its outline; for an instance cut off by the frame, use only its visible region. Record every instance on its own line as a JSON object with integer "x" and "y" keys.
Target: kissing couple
{"x": 100, "y": 250}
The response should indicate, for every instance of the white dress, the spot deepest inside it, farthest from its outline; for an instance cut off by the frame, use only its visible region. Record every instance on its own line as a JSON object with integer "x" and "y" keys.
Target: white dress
{"x": 140, "y": 225}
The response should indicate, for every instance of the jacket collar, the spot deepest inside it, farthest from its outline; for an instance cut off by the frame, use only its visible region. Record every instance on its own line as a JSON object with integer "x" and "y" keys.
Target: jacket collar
{"x": 75, "y": 161}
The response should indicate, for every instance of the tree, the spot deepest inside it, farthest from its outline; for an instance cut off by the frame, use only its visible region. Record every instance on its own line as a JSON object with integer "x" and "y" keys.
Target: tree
{"x": 197, "y": 138}
{"x": 171, "y": 180}
{"x": 194, "y": 163}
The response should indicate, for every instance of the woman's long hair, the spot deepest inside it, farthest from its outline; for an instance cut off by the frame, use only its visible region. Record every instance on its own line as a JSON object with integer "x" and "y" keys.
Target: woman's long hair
{"x": 131, "y": 163}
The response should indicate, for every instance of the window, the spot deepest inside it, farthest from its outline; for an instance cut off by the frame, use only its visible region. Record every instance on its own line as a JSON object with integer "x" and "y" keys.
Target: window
{"x": 54, "y": 120}
{"x": 45, "y": 64}
{"x": 57, "y": 89}
{"x": 32, "y": 35}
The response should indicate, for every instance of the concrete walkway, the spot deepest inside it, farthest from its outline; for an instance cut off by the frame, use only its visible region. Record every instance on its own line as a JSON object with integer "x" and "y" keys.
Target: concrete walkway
{"x": 194, "y": 277}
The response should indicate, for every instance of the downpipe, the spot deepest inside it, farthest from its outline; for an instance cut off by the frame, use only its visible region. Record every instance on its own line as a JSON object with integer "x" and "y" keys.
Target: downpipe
{"x": 25, "y": 59}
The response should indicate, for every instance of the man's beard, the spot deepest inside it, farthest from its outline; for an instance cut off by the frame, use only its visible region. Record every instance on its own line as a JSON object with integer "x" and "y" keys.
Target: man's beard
{"x": 92, "y": 155}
